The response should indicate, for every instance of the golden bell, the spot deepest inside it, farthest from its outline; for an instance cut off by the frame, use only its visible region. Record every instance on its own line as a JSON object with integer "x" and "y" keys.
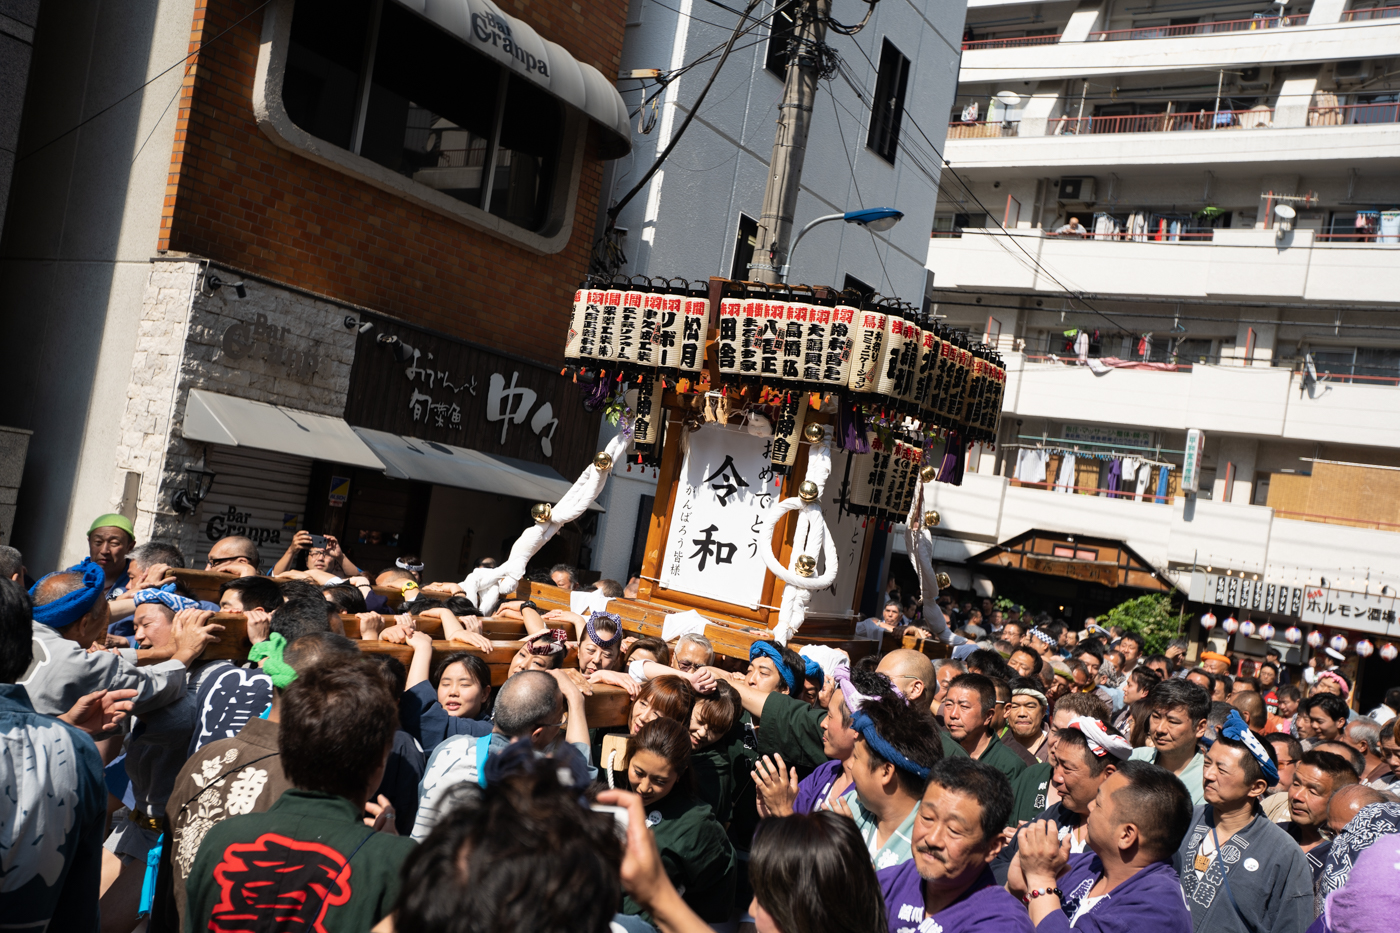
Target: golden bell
{"x": 944, "y": 581}
{"x": 808, "y": 491}
{"x": 806, "y": 565}
{"x": 541, "y": 512}
{"x": 928, "y": 473}
{"x": 602, "y": 461}
{"x": 813, "y": 432}
{"x": 931, "y": 518}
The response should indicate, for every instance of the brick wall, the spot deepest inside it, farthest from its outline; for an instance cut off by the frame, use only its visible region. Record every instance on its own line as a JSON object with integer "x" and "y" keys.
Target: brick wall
{"x": 235, "y": 197}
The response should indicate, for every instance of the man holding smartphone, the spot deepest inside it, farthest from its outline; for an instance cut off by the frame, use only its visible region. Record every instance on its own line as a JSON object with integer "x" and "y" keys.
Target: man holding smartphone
{"x": 322, "y": 553}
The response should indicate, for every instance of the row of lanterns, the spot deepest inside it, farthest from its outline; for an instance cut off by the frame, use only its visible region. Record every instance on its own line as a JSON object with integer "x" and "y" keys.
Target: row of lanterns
{"x": 1293, "y": 635}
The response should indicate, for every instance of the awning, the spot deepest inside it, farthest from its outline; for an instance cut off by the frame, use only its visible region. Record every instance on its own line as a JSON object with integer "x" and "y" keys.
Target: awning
{"x": 445, "y": 465}
{"x": 483, "y": 27}
{"x": 240, "y": 422}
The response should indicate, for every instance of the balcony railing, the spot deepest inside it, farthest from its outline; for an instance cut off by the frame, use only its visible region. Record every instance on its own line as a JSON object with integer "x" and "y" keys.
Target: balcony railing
{"x": 983, "y": 129}
{"x": 1164, "y": 122}
{"x": 1014, "y": 42}
{"x": 1198, "y": 29}
{"x": 1354, "y": 114}
{"x": 1382, "y": 12}
{"x": 1393, "y": 238}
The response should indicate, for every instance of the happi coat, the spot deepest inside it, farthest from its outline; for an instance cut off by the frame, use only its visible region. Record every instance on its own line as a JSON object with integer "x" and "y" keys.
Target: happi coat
{"x": 1259, "y": 881}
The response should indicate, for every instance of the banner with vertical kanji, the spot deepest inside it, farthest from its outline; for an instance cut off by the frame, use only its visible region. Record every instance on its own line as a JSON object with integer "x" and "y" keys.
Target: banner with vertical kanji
{"x": 726, "y": 483}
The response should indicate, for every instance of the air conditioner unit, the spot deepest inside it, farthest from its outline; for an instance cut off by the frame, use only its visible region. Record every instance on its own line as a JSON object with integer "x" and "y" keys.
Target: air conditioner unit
{"x": 1351, "y": 72}
{"x": 1077, "y": 189}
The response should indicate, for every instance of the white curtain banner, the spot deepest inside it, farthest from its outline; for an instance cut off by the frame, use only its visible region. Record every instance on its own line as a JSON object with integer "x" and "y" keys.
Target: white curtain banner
{"x": 712, "y": 549}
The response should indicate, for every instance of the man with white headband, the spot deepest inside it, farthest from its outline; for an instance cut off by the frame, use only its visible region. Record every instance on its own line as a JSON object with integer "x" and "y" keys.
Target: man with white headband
{"x": 1084, "y": 755}
{"x": 1240, "y": 872}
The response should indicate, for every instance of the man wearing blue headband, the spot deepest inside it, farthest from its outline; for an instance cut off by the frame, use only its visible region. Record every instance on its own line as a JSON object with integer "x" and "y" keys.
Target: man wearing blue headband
{"x": 69, "y": 615}
{"x": 1240, "y": 872}
{"x": 896, "y": 746}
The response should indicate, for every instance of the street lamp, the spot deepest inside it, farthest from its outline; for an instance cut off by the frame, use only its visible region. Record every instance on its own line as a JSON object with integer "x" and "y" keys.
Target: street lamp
{"x": 874, "y": 219}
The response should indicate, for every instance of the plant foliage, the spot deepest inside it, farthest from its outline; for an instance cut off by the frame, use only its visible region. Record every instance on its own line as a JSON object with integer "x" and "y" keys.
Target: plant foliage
{"x": 1150, "y": 616}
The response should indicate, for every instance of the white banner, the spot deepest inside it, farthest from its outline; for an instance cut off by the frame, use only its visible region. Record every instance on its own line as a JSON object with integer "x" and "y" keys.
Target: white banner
{"x": 1342, "y": 609}
{"x": 712, "y": 549}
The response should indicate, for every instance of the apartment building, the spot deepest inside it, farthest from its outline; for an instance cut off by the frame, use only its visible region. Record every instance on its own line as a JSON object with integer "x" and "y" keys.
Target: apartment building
{"x": 1180, "y": 219}
{"x": 876, "y": 127}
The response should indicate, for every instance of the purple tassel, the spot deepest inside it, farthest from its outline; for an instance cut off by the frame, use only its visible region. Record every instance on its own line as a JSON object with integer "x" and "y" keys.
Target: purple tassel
{"x": 954, "y": 459}
{"x": 596, "y": 395}
{"x": 853, "y": 439}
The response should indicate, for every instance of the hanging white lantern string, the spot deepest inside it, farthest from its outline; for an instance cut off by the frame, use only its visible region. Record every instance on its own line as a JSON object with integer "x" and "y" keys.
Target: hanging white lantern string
{"x": 919, "y": 543}
{"x": 810, "y": 537}
{"x": 487, "y": 586}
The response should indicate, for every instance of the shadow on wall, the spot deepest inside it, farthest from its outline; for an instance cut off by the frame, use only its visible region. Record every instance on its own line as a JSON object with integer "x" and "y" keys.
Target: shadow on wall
{"x": 59, "y": 251}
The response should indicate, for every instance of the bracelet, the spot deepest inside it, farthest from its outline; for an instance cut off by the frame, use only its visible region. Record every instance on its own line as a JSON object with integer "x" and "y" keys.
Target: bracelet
{"x": 1042, "y": 892}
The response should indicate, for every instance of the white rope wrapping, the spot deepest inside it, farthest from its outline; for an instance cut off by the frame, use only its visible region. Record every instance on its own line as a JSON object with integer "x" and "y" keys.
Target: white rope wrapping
{"x": 810, "y": 537}
{"x": 919, "y": 542}
{"x": 486, "y": 586}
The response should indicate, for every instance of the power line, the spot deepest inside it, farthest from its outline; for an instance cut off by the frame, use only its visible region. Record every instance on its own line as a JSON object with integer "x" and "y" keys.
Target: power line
{"x": 202, "y": 46}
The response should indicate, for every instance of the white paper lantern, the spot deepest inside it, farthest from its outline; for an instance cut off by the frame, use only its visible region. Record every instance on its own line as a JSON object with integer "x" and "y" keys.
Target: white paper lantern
{"x": 1266, "y": 632}
{"x": 1338, "y": 643}
{"x": 1388, "y": 652}
{"x": 1230, "y": 625}
{"x": 1247, "y": 628}
{"x": 1364, "y": 648}
{"x": 1315, "y": 638}
{"x": 1208, "y": 621}
{"x": 1292, "y": 635}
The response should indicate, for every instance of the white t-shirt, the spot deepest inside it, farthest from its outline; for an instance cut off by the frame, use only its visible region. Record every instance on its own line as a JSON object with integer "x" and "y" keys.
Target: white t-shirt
{"x": 1086, "y": 904}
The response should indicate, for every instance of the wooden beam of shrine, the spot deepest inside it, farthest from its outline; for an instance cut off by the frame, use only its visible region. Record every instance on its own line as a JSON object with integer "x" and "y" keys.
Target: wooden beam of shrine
{"x": 206, "y": 584}
{"x": 607, "y": 706}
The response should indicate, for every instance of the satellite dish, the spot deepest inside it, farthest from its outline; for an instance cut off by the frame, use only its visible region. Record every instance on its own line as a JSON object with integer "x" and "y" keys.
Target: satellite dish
{"x": 1285, "y": 212}
{"x": 1009, "y": 98}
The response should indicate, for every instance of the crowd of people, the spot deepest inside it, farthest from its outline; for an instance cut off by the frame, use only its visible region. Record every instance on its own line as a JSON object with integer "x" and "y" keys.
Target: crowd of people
{"x": 1041, "y": 777}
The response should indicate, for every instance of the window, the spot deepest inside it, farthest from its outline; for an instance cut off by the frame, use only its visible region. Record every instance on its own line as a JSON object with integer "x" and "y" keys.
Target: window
{"x": 744, "y": 246}
{"x": 373, "y": 78}
{"x": 887, "y": 112}
{"x": 1366, "y": 365}
{"x": 779, "y": 41}
{"x": 853, "y": 284}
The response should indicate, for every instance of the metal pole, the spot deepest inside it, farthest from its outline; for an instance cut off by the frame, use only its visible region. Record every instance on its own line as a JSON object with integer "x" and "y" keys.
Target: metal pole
{"x": 783, "y": 272}
{"x": 1219, "y": 86}
{"x": 790, "y": 141}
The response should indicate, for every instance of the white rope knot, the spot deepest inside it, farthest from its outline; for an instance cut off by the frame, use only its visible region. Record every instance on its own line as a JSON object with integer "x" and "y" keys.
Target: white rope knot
{"x": 810, "y": 538}
{"x": 487, "y": 586}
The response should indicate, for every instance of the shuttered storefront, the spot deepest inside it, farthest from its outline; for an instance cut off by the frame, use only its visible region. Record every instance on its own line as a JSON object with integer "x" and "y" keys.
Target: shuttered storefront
{"x": 256, "y": 493}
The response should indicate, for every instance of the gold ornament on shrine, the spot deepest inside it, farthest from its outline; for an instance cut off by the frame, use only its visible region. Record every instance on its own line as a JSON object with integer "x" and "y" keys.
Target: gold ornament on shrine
{"x": 806, "y": 565}
{"x": 944, "y": 581}
{"x": 813, "y": 432}
{"x": 808, "y": 491}
{"x": 928, "y": 474}
{"x": 931, "y": 518}
{"x": 602, "y": 461}
{"x": 542, "y": 513}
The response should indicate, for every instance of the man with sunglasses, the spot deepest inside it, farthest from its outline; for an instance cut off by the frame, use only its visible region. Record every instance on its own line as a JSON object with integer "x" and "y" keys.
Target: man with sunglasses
{"x": 235, "y": 555}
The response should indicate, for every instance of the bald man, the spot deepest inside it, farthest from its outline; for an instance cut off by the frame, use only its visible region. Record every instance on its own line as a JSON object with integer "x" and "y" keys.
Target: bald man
{"x": 912, "y": 672}
{"x": 235, "y": 555}
{"x": 1251, "y": 707}
{"x": 1347, "y": 801}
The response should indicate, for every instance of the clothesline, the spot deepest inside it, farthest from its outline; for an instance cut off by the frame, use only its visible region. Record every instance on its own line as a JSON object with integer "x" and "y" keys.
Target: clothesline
{"x": 1072, "y": 448}
{"x": 1064, "y": 441}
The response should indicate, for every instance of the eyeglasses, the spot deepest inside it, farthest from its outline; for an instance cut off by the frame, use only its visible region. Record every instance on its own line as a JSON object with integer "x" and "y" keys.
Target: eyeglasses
{"x": 216, "y": 561}
{"x": 687, "y": 666}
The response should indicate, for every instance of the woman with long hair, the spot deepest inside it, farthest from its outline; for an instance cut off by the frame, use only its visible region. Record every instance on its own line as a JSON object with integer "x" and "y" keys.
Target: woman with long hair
{"x": 810, "y": 873}
{"x": 696, "y": 853}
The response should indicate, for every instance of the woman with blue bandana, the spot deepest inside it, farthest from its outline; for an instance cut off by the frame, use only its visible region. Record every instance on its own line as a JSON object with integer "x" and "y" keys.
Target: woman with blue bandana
{"x": 1241, "y": 873}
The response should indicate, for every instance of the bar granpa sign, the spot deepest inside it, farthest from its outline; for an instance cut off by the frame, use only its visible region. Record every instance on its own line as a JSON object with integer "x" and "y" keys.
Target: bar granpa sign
{"x": 420, "y": 384}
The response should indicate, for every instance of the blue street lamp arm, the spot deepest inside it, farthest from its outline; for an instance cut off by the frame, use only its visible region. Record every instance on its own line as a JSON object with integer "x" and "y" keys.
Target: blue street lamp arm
{"x": 874, "y": 218}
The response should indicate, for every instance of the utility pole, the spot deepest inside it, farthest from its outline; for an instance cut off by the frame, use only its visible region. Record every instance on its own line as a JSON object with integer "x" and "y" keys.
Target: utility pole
{"x": 790, "y": 140}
